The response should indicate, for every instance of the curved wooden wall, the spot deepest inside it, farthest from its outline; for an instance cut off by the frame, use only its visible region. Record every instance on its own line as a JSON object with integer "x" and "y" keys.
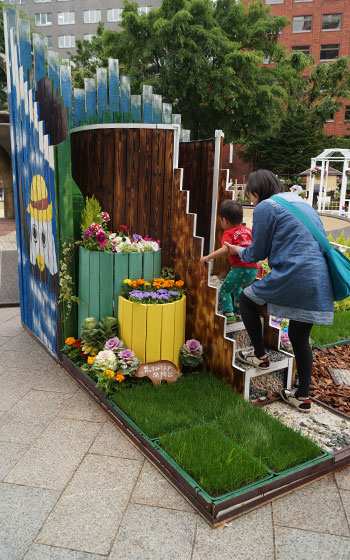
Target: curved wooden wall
{"x": 130, "y": 172}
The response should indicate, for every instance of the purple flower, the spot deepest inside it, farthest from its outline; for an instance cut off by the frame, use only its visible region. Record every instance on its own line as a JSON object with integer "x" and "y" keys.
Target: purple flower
{"x": 193, "y": 347}
{"x": 127, "y": 355}
{"x": 137, "y": 237}
{"x": 113, "y": 343}
{"x": 87, "y": 233}
{"x": 171, "y": 293}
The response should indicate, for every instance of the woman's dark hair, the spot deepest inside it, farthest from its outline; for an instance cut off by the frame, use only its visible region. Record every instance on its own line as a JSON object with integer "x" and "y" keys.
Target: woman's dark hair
{"x": 232, "y": 211}
{"x": 264, "y": 184}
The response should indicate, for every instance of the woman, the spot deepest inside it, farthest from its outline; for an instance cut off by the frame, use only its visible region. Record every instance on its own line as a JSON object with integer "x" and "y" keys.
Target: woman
{"x": 299, "y": 286}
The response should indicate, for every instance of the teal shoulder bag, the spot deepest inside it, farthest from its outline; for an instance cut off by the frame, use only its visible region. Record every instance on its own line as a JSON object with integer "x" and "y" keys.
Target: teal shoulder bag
{"x": 339, "y": 264}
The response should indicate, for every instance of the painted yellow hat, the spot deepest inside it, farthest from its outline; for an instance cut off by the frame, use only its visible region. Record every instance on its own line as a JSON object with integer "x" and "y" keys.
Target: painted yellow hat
{"x": 39, "y": 207}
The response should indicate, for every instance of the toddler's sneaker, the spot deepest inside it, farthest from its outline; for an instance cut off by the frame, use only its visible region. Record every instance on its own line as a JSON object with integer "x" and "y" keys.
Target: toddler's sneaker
{"x": 303, "y": 405}
{"x": 248, "y": 357}
{"x": 231, "y": 317}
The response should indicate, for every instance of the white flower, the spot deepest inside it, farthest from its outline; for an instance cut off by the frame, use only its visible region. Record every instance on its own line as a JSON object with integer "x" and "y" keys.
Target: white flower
{"x": 106, "y": 359}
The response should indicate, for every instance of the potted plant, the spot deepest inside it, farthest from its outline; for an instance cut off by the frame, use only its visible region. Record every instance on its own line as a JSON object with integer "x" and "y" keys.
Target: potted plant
{"x": 152, "y": 318}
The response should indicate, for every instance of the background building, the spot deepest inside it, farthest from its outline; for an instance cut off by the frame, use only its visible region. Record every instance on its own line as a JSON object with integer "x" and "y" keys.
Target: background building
{"x": 320, "y": 28}
{"x": 65, "y": 21}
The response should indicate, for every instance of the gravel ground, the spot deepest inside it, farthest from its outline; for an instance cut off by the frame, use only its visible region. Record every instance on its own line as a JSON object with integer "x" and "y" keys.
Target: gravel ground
{"x": 267, "y": 385}
{"x": 328, "y": 430}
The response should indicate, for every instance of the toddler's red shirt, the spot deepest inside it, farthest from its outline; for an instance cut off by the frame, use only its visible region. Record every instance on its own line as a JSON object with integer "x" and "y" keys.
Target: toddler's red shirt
{"x": 241, "y": 236}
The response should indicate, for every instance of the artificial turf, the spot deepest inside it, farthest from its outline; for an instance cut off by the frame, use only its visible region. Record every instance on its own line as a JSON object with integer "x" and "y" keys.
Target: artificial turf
{"x": 339, "y": 330}
{"x": 222, "y": 441}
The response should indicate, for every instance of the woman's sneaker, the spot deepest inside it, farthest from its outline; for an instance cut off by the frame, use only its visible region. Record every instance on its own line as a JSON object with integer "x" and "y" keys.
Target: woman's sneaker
{"x": 248, "y": 357}
{"x": 304, "y": 405}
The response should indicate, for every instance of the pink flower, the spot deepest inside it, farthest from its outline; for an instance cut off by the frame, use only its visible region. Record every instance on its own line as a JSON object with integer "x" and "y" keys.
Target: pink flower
{"x": 193, "y": 347}
{"x": 147, "y": 238}
{"x": 105, "y": 216}
{"x": 95, "y": 227}
{"x": 127, "y": 355}
{"x": 113, "y": 343}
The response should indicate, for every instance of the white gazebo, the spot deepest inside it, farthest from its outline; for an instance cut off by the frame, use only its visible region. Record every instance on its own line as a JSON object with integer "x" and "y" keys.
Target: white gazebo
{"x": 320, "y": 165}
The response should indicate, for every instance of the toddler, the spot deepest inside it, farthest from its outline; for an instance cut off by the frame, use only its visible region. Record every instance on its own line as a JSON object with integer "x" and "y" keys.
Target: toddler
{"x": 241, "y": 273}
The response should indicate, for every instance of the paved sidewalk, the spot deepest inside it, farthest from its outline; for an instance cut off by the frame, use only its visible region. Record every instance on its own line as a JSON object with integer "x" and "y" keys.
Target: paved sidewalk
{"x": 72, "y": 487}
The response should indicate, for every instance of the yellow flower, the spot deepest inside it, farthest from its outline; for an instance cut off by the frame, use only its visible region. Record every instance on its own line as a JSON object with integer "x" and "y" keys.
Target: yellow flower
{"x": 70, "y": 340}
{"x": 147, "y": 283}
{"x": 109, "y": 373}
{"x": 120, "y": 377}
{"x": 127, "y": 281}
{"x": 91, "y": 360}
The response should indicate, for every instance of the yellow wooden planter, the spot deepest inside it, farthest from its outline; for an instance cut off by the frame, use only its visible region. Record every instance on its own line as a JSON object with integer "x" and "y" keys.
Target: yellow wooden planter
{"x": 154, "y": 332}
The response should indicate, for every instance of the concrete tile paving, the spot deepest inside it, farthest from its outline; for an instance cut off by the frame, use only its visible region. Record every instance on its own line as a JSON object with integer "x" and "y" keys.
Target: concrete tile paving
{"x": 112, "y": 504}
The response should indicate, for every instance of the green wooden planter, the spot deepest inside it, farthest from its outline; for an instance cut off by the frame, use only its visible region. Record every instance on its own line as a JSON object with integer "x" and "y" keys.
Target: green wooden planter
{"x": 102, "y": 275}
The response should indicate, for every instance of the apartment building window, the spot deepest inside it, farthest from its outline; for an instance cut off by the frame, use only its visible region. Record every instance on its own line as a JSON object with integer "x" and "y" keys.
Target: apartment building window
{"x": 18, "y": 1}
{"x": 303, "y": 1}
{"x": 347, "y": 113}
{"x": 274, "y": 1}
{"x": 303, "y": 48}
{"x": 301, "y": 24}
{"x": 43, "y": 19}
{"x": 144, "y": 10}
{"x": 331, "y": 22}
{"x": 41, "y": 1}
{"x": 66, "y": 18}
{"x": 115, "y": 14}
{"x": 66, "y": 41}
{"x": 89, "y": 37}
{"x": 92, "y": 16}
{"x": 329, "y": 52}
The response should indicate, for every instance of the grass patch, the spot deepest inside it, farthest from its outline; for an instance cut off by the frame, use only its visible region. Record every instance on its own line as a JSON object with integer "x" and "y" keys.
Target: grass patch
{"x": 276, "y": 445}
{"x": 222, "y": 441}
{"x": 194, "y": 399}
{"x": 326, "y": 334}
{"x": 212, "y": 459}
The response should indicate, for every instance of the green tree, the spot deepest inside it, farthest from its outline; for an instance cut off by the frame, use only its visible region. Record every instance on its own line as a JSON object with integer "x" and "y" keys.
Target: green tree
{"x": 312, "y": 100}
{"x": 89, "y": 55}
{"x": 205, "y": 58}
{"x": 3, "y": 80}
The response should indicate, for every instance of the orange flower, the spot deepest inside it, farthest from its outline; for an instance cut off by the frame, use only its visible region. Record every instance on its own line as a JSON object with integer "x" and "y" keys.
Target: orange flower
{"x": 109, "y": 373}
{"x": 70, "y": 340}
{"x": 91, "y": 360}
{"x": 179, "y": 283}
{"x": 140, "y": 282}
{"x": 120, "y": 377}
{"x": 147, "y": 283}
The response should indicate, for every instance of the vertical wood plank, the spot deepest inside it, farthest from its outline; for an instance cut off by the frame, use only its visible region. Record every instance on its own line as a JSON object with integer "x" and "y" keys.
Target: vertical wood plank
{"x": 126, "y": 320}
{"x": 168, "y": 332}
{"x": 53, "y": 68}
{"x": 147, "y": 266}
{"x": 79, "y": 106}
{"x": 66, "y": 89}
{"x": 25, "y": 49}
{"x": 125, "y": 94}
{"x": 166, "y": 113}
{"x": 113, "y": 73}
{"x": 179, "y": 333}
{"x": 154, "y": 333}
{"x": 139, "y": 323}
{"x": 168, "y": 192}
{"x": 157, "y": 108}
{"x": 94, "y": 272}
{"x": 121, "y": 272}
{"x": 90, "y": 98}
{"x": 147, "y": 104}
{"x": 132, "y": 178}
{"x": 39, "y": 46}
{"x": 84, "y": 287}
{"x": 145, "y": 183}
{"x": 135, "y": 266}
{"x": 157, "y": 194}
{"x": 120, "y": 149}
{"x": 106, "y": 284}
{"x": 157, "y": 263}
{"x": 136, "y": 108}
{"x": 102, "y": 101}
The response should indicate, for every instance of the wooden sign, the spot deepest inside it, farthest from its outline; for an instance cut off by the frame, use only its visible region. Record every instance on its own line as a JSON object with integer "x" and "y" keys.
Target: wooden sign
{"x": 164, "y": 370}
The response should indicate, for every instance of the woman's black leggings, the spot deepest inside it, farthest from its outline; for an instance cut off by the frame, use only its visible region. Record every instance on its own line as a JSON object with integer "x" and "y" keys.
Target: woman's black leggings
{"x": 298, "y": 333}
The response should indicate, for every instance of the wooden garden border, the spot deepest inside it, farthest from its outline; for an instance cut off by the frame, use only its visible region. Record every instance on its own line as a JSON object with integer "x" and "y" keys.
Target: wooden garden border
{"x": 215, "y": 514}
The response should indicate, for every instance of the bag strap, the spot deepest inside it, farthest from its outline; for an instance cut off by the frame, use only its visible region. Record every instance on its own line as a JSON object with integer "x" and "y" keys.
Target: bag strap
{"x": 322, "y": 239}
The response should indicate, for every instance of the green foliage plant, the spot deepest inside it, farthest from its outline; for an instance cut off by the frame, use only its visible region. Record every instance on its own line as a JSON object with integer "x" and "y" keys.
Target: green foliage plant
{"x": 91, "y": 213}
{"x": 67, "y": 287}
{"x": 95, "y": 333}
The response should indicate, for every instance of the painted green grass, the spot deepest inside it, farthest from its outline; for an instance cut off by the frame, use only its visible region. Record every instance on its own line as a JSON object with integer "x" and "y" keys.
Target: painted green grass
{"x": 212, "y": 459}
{"x": 276, "y": 445}
{"x": 160, "y": 410}
{"x": 326, "y": 334}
